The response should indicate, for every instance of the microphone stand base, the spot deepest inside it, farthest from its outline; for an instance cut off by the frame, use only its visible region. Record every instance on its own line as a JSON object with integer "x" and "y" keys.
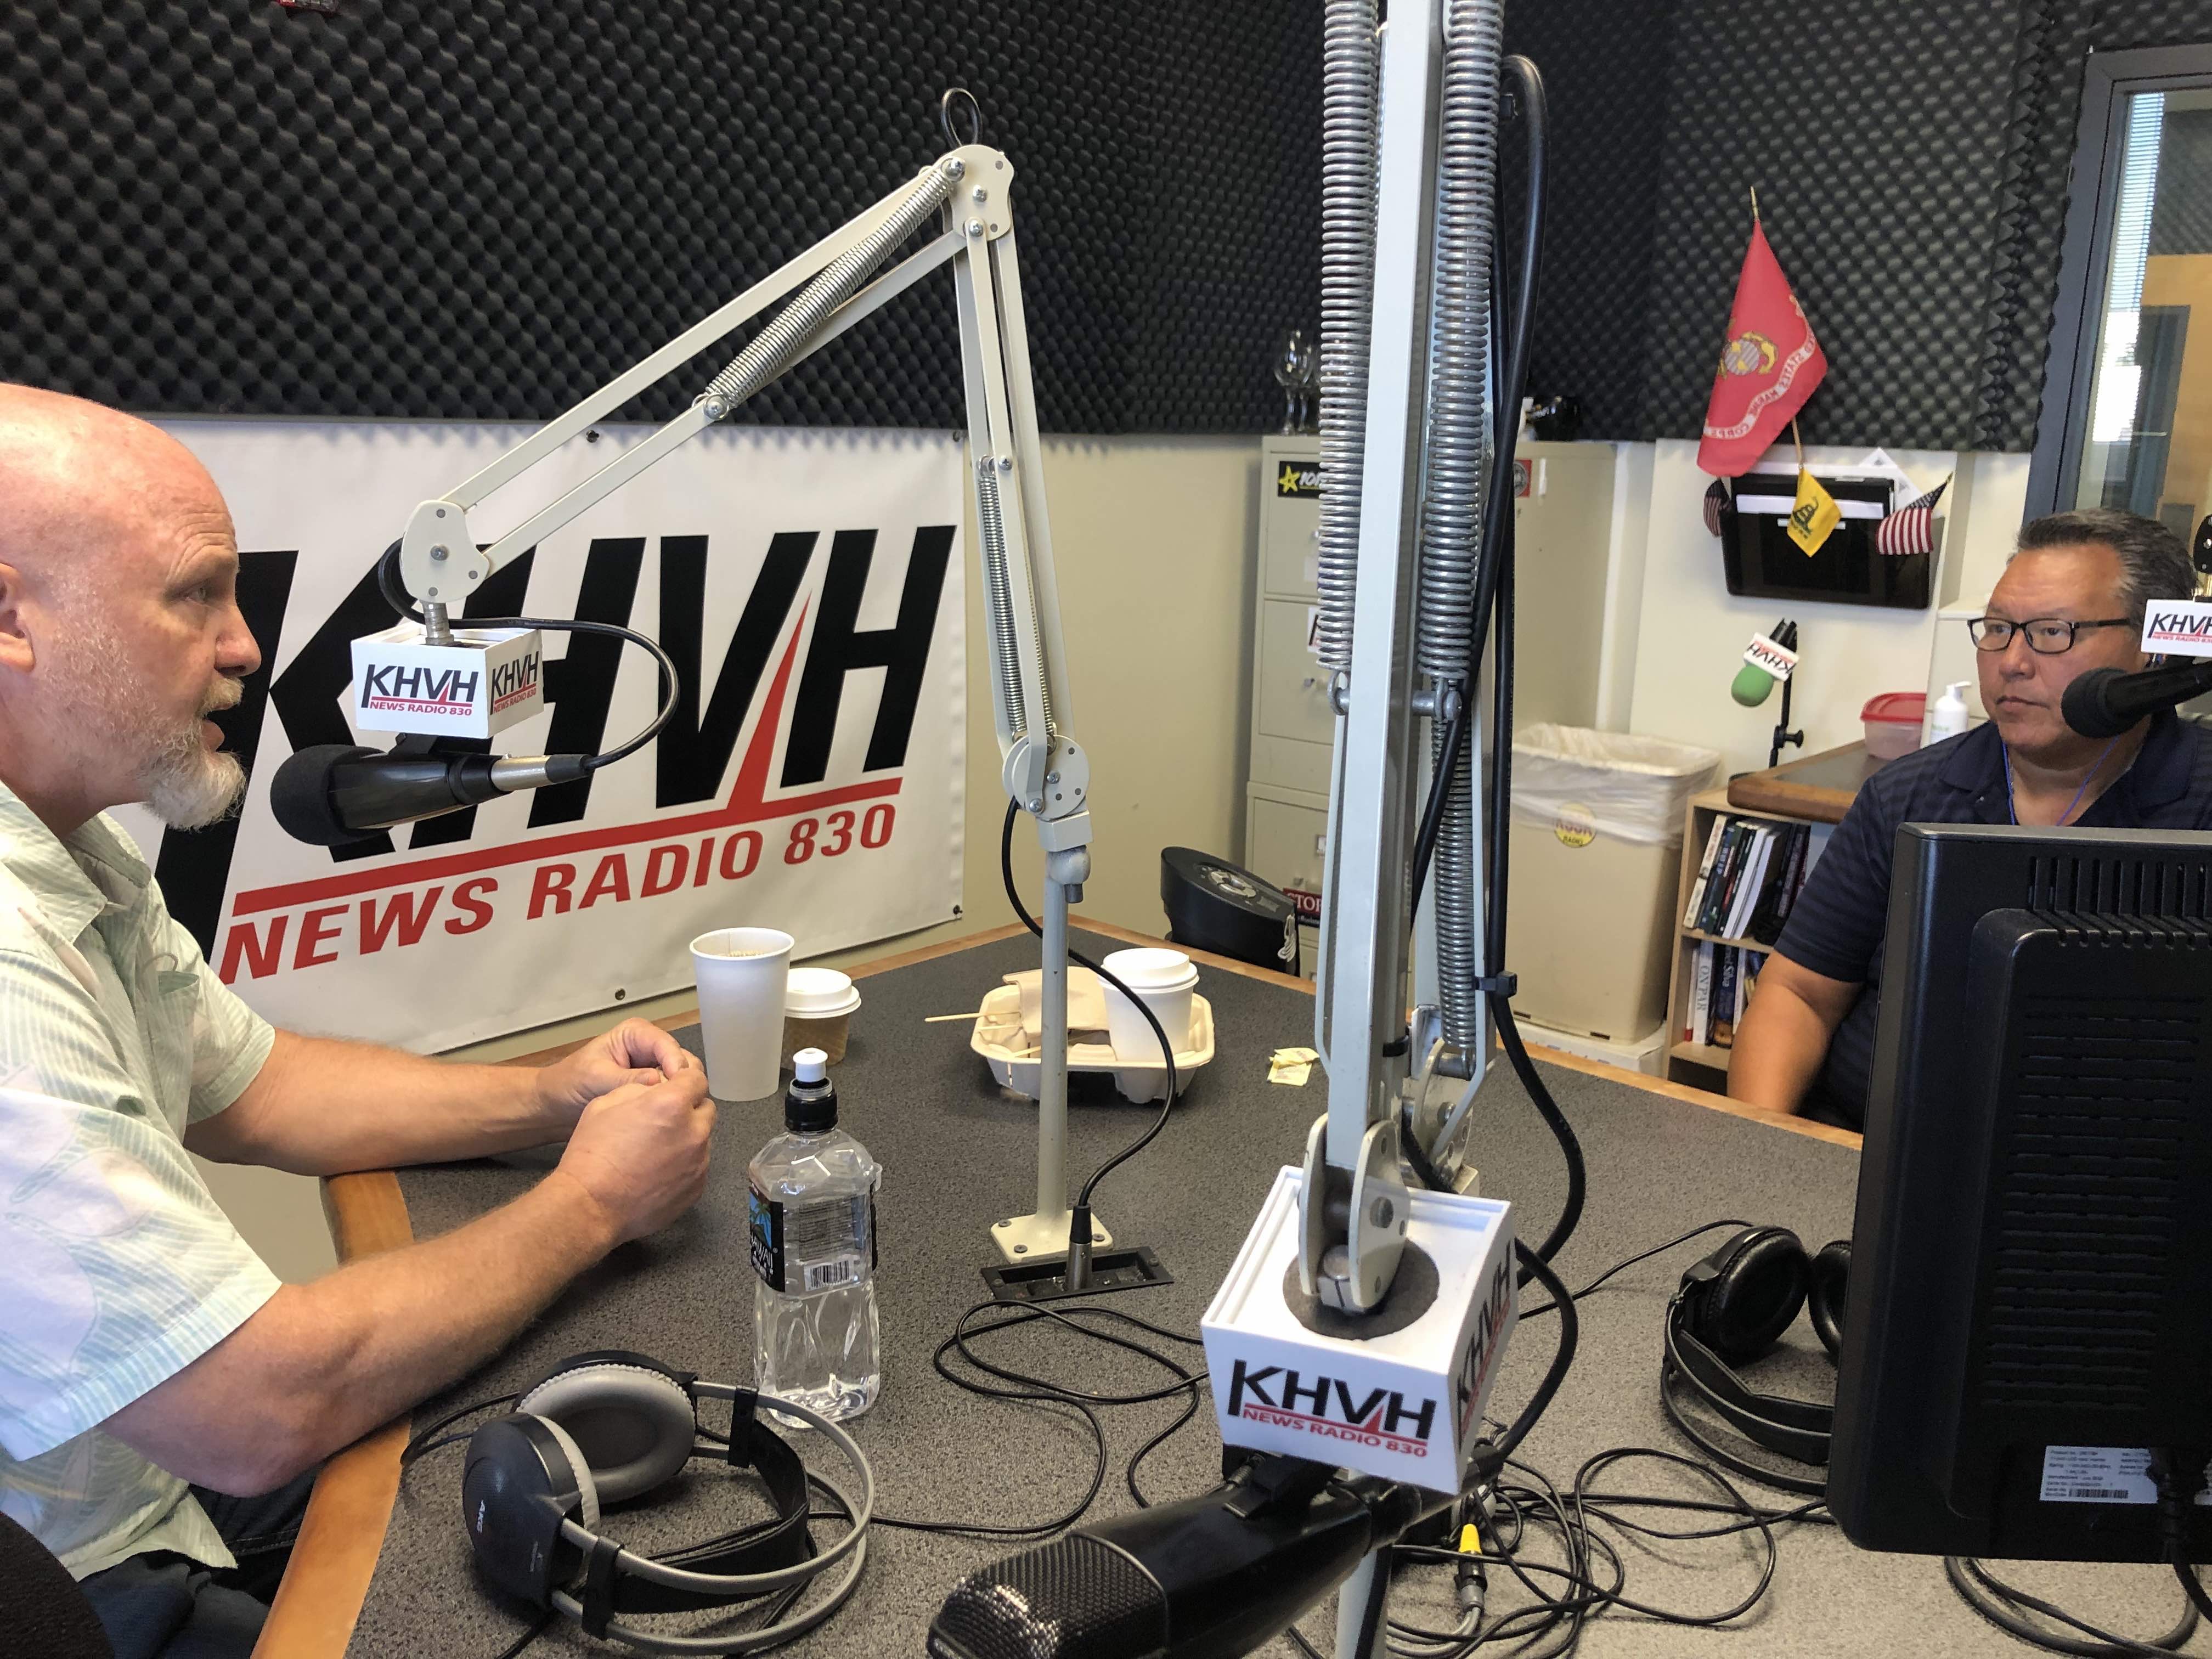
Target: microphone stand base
{"x": 1046, "y": 1280}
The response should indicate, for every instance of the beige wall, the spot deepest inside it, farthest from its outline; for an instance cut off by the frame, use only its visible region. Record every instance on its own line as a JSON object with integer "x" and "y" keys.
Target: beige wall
{"x": 1152, "y": 542}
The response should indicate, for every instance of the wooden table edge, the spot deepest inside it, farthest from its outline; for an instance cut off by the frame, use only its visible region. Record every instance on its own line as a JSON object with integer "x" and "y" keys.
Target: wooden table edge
{"x": 327, "y": 1582}
{"x": 342, "y": 1534}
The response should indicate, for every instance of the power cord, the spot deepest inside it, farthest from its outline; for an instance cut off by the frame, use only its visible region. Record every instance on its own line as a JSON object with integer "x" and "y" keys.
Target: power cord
{"x": 1493, "y": 601}
{"x": 1591, "y": 1575}
{"x": 1627, "y": 1262}
{"x": 387, "y": 582}
{"x": 2007, "y": 1608}
{"x": 2174, "y": 1499}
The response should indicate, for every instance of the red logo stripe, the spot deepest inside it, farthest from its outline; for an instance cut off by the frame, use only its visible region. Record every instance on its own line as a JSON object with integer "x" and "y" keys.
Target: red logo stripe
{"x": 748, "y": 804}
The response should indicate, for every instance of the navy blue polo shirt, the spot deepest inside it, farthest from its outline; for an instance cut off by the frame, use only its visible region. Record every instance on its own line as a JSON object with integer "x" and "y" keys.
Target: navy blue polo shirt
{"x": 1838, "y": 922}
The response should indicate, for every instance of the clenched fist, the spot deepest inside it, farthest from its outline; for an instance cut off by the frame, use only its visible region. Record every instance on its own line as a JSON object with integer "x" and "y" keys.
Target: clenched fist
{"x": 639, "y": 1151}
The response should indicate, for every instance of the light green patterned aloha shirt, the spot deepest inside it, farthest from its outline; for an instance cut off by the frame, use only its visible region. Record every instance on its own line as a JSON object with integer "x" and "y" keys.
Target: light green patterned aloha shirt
{"x": 116, "y": 1268}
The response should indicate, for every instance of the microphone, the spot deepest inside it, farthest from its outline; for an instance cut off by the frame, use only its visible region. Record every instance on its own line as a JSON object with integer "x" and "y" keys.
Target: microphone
{"x": 1754, "y": 682}
{"x": 2104, "y": 703}
{"x": 330, "y": 793}
{"x": 1201, "y": 1579}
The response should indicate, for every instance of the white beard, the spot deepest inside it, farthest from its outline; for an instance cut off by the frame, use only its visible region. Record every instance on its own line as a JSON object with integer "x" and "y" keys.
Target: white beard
{"x": 186, "y": 785}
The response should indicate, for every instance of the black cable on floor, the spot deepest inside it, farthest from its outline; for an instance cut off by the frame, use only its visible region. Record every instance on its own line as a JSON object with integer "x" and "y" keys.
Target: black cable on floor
{"x": 2001, "y": 1604}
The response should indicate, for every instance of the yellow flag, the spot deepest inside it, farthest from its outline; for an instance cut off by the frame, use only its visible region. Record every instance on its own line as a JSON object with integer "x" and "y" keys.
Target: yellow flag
{"x": 1815, "y": 515}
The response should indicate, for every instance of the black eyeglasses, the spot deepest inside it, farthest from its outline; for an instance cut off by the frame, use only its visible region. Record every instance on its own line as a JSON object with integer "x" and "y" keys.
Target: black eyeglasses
{"x": 2048, "y": 634}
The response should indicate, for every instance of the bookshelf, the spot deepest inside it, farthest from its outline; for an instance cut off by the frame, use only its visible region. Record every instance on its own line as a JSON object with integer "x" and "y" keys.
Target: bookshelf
{"x": 1701, "y": 1065}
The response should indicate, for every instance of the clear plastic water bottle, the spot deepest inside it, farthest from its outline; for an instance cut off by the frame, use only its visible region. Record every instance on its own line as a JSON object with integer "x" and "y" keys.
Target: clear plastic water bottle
{"x": 816, "y": 1340}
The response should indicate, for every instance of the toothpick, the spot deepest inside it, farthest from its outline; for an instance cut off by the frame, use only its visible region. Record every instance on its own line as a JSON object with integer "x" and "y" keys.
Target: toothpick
{"x": 1754, "y": 205}
{"x": 1799, "y": 442}
{"x": 939, "y": 1019}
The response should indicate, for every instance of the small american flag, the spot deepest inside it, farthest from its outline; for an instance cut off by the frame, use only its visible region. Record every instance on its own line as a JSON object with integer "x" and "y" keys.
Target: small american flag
{"x": 1720, "y": 506}
{"x": 1912, "y": 528}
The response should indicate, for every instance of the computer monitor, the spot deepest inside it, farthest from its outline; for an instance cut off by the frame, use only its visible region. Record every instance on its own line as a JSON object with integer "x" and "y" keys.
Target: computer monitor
{"x": 2030, "y": 1307}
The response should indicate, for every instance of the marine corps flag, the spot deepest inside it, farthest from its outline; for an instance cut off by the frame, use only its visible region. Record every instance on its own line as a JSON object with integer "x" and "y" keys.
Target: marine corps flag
{"x": 1769, "y": 368}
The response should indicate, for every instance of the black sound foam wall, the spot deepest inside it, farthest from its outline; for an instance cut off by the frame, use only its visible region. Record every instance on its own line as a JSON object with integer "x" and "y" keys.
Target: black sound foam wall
{"x": 439, "y": 209}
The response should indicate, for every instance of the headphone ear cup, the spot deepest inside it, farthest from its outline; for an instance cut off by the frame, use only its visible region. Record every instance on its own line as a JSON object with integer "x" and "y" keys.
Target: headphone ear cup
{"x": 634, "y": 1426}
{"x": 1756, "y": 1286}
{"x": 1832, "y": 1277}
{"x": 580, "y": 1468}
{"x": 523, "y": 1478}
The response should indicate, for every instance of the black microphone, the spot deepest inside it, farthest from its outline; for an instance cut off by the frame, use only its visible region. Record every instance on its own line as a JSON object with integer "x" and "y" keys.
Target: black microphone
{"x": 2104, "y": 703}
{"x": 330, "y": 793}
{"x": 1202, "y": 1579}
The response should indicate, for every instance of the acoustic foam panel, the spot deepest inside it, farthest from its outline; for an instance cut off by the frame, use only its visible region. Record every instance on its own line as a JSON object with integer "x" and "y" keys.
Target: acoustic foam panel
{"x": 432, "y": 209}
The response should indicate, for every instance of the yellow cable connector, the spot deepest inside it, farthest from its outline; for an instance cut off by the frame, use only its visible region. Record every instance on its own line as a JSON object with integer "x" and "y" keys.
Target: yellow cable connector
{"x": 1470, "y": 1540}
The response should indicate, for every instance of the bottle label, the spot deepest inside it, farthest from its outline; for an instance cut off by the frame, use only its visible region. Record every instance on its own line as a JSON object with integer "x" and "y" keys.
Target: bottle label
{"x": 800, "y": 1248}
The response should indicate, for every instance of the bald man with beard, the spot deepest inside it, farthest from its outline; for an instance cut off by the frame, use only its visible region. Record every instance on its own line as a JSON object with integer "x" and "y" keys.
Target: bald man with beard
{"x": 164, "y": 1400}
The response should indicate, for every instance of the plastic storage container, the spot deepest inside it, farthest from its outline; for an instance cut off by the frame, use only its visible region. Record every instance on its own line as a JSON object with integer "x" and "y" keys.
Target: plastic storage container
{"x": 1647, "y": 1054}
{"x": 1893, "y": 723}
{"x": 1597, "y": 835}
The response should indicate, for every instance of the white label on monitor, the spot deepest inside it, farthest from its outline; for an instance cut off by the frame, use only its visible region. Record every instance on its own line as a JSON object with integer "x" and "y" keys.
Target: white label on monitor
{"x": 2104, "y": 1474}
{"x": 2098, "y": 1474}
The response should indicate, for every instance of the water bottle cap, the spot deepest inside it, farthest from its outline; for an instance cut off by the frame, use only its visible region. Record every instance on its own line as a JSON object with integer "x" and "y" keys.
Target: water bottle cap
{"x": 810, "y": 1066}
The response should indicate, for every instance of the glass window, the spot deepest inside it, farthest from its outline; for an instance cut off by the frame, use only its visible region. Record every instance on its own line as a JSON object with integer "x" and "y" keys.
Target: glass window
{"x": 2149, "y": 443}
{"x": 2127, "y": 419}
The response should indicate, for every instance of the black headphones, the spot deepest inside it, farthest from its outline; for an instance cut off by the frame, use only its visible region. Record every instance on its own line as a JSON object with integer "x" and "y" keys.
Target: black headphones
{"x": 604, "y": 1427}
{"x": 1733, "y": 1307}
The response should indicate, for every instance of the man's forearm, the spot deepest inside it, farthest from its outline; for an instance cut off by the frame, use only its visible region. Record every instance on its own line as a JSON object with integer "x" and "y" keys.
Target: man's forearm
{"x": 321, "y": 1107}
{"x": 1778, "y": 1050}
{"x": 326, "y": 1362}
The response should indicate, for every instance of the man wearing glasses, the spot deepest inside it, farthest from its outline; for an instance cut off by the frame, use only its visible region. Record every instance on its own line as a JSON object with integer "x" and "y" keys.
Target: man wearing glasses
{"x": 2072, "y": 599}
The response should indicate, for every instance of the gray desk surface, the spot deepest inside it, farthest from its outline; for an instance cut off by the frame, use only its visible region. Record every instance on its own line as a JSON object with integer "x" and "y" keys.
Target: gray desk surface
{"x": 957, "y": 1153}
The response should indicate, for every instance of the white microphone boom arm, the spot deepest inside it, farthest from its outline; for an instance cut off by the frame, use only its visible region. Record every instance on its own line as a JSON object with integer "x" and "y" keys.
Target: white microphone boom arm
{"x": 834, "y": 285}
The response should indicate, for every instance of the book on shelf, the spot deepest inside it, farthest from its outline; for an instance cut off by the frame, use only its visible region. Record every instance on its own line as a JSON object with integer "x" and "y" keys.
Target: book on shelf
{"x": 1749, "y": 876}
{"x": 1697, "y": 1009}
{"x": 1780, "y": 892}
{"x": 1754, "y": 876}
{"x": 1734, "y": 840}
{"x": 1725, "y": 992}
{"x": 1705, "y": 870}
{"x": 1722, "y": 1020}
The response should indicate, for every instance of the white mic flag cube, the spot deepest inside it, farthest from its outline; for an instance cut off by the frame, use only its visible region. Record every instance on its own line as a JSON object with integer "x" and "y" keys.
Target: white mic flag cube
{"x": 1399, "y": 1395}
{"x": 487, "y": 679}
{"x": 2178, "y": 627}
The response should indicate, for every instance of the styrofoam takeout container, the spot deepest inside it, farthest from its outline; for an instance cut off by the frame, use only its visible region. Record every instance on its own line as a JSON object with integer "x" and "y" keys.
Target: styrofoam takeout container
{"x": 999, "y": 1037}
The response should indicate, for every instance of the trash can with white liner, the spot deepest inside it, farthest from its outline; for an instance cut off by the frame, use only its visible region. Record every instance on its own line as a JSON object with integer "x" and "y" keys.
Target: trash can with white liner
{"x": 1596, "y": 861}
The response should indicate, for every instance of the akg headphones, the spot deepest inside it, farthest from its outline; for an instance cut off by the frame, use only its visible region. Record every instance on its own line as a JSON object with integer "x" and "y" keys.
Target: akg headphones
{"x": 604, "y": 1427}
{"x": 1733, "y": 1307}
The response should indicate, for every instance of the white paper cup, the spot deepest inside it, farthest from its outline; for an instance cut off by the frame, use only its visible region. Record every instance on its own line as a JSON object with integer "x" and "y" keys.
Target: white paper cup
{"x": 1165, "y": 981}
{"x": 741, "y": 973}
{"x": 818, "y": 1005}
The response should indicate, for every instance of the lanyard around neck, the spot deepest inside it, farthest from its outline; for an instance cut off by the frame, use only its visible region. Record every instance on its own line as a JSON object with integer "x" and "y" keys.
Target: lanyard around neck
{"x": 2012, "y": 809}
